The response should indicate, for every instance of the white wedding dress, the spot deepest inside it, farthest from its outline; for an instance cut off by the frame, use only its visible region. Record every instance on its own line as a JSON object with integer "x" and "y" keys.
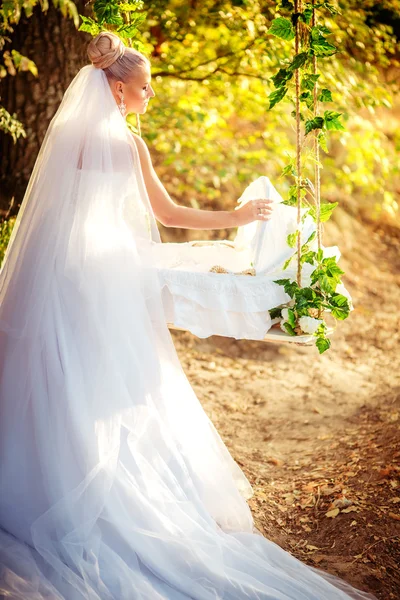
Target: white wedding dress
{"x": 115, "y": 484}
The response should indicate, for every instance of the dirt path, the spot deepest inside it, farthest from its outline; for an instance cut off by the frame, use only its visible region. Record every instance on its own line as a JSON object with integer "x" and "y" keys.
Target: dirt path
{"x": 319, "y": 436}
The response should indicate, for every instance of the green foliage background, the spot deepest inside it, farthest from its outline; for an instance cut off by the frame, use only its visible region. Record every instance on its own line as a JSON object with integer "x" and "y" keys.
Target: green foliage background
{"x": 209, "y": 128}
{"x": 209, "y": 124}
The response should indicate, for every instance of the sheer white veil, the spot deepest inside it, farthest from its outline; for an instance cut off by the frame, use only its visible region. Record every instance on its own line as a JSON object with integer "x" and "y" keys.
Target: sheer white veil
{"x": 87, "y": 174}
{"x": 106, "y": 454}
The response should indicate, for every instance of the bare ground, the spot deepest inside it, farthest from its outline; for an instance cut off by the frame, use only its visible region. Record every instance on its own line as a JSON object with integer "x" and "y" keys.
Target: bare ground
{"x": 318, "y": 436}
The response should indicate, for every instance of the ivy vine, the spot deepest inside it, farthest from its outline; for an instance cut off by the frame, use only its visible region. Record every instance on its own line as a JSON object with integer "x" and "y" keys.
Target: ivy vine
{"x": 298, "y": 81}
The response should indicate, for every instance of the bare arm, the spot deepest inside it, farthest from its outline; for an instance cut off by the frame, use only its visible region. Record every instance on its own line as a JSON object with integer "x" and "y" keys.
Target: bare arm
{"x": 171, "y": 214}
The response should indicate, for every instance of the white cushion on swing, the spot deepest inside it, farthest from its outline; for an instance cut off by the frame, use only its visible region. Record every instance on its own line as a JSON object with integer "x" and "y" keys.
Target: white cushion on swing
{"x": 207, "y": 303}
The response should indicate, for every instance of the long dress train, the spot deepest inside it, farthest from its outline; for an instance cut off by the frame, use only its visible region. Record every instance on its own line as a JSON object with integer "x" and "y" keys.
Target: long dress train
{"x": 115, "y": 483}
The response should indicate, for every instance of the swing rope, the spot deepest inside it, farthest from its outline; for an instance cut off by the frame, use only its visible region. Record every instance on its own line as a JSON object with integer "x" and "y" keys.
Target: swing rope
{"x": 317, "y": 169}
{"x": 297, "y": 8}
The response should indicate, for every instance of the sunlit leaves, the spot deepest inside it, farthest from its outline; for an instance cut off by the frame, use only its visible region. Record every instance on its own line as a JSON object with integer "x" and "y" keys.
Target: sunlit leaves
{"x": 108, "y": 11}
{"x": 315, "y": 123}
{"x": 325, "y": 95}
{"x": 282, "y": 28}
{"x": 339, "y": 306}
{"x": 319, "y": 44}
{"x": 326, "y": 210}
{"x": 282, "y": 77}
{"x": 89, "y": 25}
{"x": 306, "y": 15}
{"x": 290, "y": 287}
{"x": 308, "y": 81}
{"x": 299, "y": 60}
{"x": 327, "y": 274}
{"x": 307, "y": 98}
{"x": 6, "y": 228}
{"x": 10, "y": 124}
{"x": 129, "y": 30}
{"x": 331, "y": 120}
{"x": 277, "y": 96}
{"x": 292, "y": 238}
{"x": 323, "y": 343}
{"x": 322, "y": 141}
{"x": 289, "y": 328}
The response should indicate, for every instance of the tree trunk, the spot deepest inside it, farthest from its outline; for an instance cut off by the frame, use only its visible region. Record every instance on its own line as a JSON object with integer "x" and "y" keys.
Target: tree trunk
{"x": 59, "y": 51}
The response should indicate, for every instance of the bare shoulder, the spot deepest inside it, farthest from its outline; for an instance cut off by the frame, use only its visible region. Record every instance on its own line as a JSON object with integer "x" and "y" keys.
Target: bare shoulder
{"x": 144, "y": 154}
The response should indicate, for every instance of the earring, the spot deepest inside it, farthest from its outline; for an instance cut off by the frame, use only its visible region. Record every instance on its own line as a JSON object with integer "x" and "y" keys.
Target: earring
{"x": 122, "y": 106}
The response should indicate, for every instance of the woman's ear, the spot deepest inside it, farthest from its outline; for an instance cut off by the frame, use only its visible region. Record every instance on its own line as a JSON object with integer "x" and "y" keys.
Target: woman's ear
{"x": 118, "y": 88}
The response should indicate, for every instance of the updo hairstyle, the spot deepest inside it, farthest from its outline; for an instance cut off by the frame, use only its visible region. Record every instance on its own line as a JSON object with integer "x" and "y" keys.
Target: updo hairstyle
{"x": 119, "y": 62}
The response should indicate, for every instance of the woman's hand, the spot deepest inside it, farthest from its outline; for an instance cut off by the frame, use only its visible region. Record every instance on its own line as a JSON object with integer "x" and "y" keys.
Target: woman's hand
{"x": 254, "y": 210}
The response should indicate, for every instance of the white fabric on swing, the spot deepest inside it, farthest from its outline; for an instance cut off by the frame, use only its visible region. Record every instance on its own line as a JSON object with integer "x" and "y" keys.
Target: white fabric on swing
{"x": 115, "y": 483}
{"x": 207, "y": 303}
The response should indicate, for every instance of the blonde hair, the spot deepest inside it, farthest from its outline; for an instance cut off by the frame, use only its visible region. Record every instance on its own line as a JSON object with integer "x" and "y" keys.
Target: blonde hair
{"x": 119, "y": 62}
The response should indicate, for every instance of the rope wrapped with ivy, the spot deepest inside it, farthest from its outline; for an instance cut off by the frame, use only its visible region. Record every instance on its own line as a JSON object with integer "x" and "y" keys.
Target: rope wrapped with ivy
{"x": 299, "y": 81}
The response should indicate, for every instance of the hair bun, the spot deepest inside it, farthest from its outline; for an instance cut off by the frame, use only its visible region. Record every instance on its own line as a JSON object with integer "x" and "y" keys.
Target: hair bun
{"x": 104, "y": 49}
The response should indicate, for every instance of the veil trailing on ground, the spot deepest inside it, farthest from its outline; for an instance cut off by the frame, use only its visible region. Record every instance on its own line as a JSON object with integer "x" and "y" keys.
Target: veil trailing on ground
{"x": 115, "y": 483}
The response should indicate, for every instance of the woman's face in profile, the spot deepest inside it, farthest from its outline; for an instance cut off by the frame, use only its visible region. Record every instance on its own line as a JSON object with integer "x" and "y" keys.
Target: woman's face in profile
{"x": 137, "y": 92}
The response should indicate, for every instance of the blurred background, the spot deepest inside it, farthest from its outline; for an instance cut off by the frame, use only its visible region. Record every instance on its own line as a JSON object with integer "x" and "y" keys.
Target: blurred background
{"x": 208, "y": 128}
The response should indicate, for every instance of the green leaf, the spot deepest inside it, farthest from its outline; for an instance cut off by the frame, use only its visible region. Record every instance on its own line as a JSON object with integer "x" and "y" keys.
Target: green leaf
{"x": 131, "y": 6}
{"x": 308, "y": 81}
{"x": 308, "y": 99}
{"x": 131, "y": 29}
{"x": 331, "y": 8}
{"x": 282, "y": 28}
{"x": 331, "y": 119}
{"x": 319, "y": 44}
{"x": 340, "y": 307}
{"x": 327, "y": 275}
{"x": 275, "y": 312}
{"x": 282, "y": 281}
{"x": 315, "y": 123}
{"x": 321, "y": 137}
{"x": 311, "y": 237}
{"x": 287, "y": 262}
{"x": 291, "y": 317}
{"x": 276, "y": 96}
{"x": 290, "y": 202}
{"x": 107, "y": 11}
{"x": 282, "y": 77}
{"x": 323, "y": 344}
{"x": 299, "y": 60}
{"x": 289, "y": 328}
{"x": 89, "y": 26}
{"x": 291, "y": 239}
{"x": 289, "y": 170}
{"x": 326, "y": 210}
{"x": 293, "y": 113}
{"x": 330, "y": 263}
{"x": 306, "y": 16}
{"x": 290, "y": 287}
{"x": 308, "y": 257}
{"x": 325, "y": 95}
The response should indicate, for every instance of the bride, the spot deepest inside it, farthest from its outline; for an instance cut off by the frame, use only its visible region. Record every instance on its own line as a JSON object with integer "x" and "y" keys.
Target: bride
{"x": 115, "y": 484}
